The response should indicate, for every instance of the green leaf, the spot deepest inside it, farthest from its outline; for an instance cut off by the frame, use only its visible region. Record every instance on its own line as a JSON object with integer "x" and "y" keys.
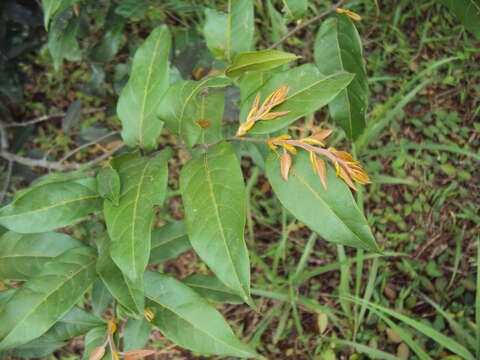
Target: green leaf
{"x": 144, "y": 184}
{"x": 136, "y": 334}
{"x": 468, "y": 12}
{"x": 211, "y": 113}
{"x": 258, "y": 61}
{"x": 213, "y": 194}
{"x": 129, "y": 293}
{"x": 93, "y": 339}
{"x": 62, "y": 42}
{"x": 295, "y": 8}
{"x": 181, "y": 108}
{"x": 101, "y": 297}
{"x": 139, "y": 100}
{"x": 108, "y": 184}
{"x": 332, "y": 213}
{"x": 46, "y": 298}
{"x": 338, "y": 48}
{"x": 111, "y": 42}
{"x": 22, "y": 256}
{"x": 189, "y": 320}
{"x": 51, "y": 8}
{"x": 308, "y": 92}
{"x": 49, "y": 206}
{"x": 168, "y": 242}
{"x": 211, "y": 288}
{"x": 133, "y": 9}
{"x": 232, "y": 33}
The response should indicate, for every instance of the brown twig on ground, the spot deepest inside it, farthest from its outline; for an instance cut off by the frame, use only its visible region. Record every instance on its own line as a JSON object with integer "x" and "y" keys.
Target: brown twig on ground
{"x": 56, "y": 165}
{"x": 51, "y": 116}
{"x": 306, "y": 23}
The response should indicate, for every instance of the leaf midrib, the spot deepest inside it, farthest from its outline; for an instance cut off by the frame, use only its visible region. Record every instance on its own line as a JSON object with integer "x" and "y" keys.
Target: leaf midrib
{"x": 50, "y": 206}
{"x": 219, "y": 222}
{"x": 194, "y": 325}
{"x": 61, "y": 284}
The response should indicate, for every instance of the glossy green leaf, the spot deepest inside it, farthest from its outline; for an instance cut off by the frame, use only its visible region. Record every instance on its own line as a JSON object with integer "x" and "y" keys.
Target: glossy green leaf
{"x": 211, "y": 288}
{"x": 468, "y": 12}
{"x": 144, "y": 184}
{"x": 181, "y": 107}
{"x": 258, "y": 61}
{"x": 189, "y": 320}
{"x": 111, "y": 42}
{"x": 5, "y": 295}
{"x": 108, "y": 184}
{"x": 133, "y": 9}
{"x": 232, "y": 33}
{"x": 168, "y": 242}
{"x": 213, "y": 194}
{"x": 295, "y": 8}
{"x": 338, "y": 48}
{"x": 49, "y": 206}
{"x": 101, "y": 297}
{"x": 139, "y": 100}
{"x": 51, "y": 8}
{"x": 332, "y": 213}
{"x": 22, "y": 256}
{"x": 308, "y": 92}
{"x": 46, "y": 298}
{"x": 136, "y": 334}
{"x": 129, "y": 293}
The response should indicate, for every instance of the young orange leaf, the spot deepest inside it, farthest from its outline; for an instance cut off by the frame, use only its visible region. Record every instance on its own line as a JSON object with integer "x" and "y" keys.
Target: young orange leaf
{"x": 138, "y": 354}
{"x": 97, "y": 353}
{"x": 285, "y": 165}
{"x": 344, "y": 175}
{"x": 321, "y": 171}
{"x": 350, "y": 14}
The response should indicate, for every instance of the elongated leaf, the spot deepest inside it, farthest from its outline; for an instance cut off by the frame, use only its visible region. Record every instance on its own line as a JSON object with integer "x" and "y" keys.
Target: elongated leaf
{"x": 211, "y": 111}
{"x": 258, "y": 61}
{"x": 332, "y": 213}
{"x": 108, "y": 183}
{"x": 212, "y": 289}
{"x": 181, "y": 107}
{"x": 140, "y": 98}
{"x": 62, "y": 41}
{"x": 50, "y": 206}
{"x": 189, "y": 320}
{"x": 338, "y": 48}
{"x": 213, "y": 195}
{"x": 46, "y": 298}
{"x": 468, "y": 12}
{"x": 22, "y": 256}
{"x": 136, "y": 334}
{"x": 129, "y": 293}
{"x": 51, "y": 8}
{"x": 101, "y": 297}
{"x": 229, "y": 34}
{"x": 169, "y": 241}
{"x": 308, "y": 92}
{"x": 443, "y": 340}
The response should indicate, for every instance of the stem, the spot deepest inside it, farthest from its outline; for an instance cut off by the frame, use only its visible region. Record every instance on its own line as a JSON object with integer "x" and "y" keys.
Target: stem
{"x": 306, "y": 23}
{"x": 232, "y": 138}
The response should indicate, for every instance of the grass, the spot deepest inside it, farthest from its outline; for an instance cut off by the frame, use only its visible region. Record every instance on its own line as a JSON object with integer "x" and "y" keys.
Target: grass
{"x": 420, "y": 298}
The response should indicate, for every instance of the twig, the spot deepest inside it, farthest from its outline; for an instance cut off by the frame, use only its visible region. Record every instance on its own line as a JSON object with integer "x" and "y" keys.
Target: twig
{"x": 232, "y": 138}
{"x": 56, "y": 165}
{"x": 306, "y": 23}
{"x": 51, "y": 116}
{"x": 7, "y": 181}
{"x": 74, "y": 151}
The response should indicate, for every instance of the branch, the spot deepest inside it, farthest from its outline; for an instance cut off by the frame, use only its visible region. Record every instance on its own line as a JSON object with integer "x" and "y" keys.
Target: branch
{"x": 93, "y": 142}
{"x": 56, "y": 165}
{"x": 306, "y": 23}
{"x": 232, "y": 138}
{"x": 51, "y": 116}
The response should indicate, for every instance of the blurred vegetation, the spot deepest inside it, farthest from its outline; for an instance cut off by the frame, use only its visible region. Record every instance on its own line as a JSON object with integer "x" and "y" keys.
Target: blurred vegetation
{"x": 422, "y": 154}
